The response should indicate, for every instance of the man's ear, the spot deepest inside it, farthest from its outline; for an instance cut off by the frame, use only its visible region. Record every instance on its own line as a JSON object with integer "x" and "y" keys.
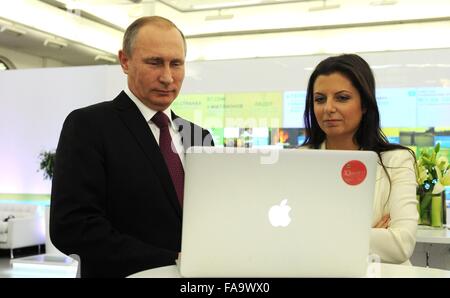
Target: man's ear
{"x": 123, "y": 61}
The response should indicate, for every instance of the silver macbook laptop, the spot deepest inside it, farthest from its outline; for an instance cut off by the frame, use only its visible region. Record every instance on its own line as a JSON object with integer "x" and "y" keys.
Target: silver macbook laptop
{"x": 277, "y": 213}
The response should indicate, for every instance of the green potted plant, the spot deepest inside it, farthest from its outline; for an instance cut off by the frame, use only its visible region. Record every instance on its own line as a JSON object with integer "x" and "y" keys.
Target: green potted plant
{"x": 433, "y": 174}
{"x": 47, "y": 162}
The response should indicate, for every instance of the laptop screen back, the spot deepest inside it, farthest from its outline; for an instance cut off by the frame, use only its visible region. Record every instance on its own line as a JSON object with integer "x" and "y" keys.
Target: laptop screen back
{"x": 277, "y": 213}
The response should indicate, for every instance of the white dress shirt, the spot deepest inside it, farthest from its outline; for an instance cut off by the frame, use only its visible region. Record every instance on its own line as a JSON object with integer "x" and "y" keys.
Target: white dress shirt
{"x": 148, "y": 115}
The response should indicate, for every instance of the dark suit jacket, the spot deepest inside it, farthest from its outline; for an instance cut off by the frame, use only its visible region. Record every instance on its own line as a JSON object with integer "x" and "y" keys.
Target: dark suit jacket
{"x": 113, "y": 202}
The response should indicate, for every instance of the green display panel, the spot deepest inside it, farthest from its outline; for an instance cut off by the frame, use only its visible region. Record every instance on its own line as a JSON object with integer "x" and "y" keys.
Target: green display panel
{"x": 263, "y": 109}
{"x": 217, "y": 134}
{"x": 206, "y": 110}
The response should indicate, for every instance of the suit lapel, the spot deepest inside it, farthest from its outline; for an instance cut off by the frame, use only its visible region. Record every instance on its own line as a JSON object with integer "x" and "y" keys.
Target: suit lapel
{"x": 139, "y": 128}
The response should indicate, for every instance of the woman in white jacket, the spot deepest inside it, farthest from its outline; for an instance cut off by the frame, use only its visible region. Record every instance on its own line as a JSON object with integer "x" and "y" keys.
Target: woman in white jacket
{"x": 341, "y": 113}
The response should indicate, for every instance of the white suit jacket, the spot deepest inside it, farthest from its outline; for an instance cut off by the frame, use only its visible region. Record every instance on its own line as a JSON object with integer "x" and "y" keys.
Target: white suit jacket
{"x": 396, "y": 243}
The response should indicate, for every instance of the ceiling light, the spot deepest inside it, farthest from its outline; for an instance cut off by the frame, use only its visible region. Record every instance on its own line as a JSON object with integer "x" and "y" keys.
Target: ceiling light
{"x": 105, "y": 58}
{"x": 225, "y": 4}
{"x": 74, "y": 5}
{"x": 55, "y": 43}
{"x": 12, "y": 30}
{"x": 383, "y": 2}
{"x": 136, "y": 11}
{"x": 5, "y": 23}
{"x": 219, "y": 16}
{"x": 324, "y": 6}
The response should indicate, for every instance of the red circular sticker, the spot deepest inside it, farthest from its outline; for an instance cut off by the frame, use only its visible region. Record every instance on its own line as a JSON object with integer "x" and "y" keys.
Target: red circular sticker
{"x": 354, "y": 172}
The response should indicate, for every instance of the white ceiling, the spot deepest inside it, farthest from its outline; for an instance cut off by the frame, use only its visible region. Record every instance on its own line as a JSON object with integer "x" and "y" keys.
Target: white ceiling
{"x": 199, "y": 19}
{"x": 33, "y": 43}
{"x": 201, "y": 5}
{"x": 192, "y": 5}
{"x": 77, "y": 53}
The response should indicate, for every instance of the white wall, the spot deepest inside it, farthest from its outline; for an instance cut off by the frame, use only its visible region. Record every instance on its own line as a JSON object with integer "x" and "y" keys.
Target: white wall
{"x": 23, "y": 60}
{"x": 33, "y": 106}
{"x": 35, "y": 102}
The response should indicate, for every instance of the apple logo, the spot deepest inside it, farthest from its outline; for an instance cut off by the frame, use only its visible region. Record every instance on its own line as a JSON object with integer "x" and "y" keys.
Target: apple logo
{"x": 279, "y": 214}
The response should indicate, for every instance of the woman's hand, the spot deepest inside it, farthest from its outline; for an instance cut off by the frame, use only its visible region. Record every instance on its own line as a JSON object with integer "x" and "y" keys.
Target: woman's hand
{"x": 384, "y": 222}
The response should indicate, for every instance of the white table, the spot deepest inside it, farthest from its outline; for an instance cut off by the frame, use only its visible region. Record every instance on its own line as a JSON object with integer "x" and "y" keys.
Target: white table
{"x": 432, "y": 235}
{"x": 432, "y": 247}
{"x": 384, "y": 270}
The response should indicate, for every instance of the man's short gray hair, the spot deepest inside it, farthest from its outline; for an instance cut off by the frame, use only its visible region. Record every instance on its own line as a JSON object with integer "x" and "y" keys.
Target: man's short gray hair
{"x": 132, "y": 31}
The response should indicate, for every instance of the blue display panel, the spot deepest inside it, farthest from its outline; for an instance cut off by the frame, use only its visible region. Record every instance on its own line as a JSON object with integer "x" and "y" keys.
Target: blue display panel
{"x": 293, "y": 109}
{"x": 395, "y": 140}
{"x": 443, "y": 140}
{"x": 433, "y": 107}
{"x": 397, "y": 107}
{"x": 260, "y": 137}
{"x": 300, "y": 140}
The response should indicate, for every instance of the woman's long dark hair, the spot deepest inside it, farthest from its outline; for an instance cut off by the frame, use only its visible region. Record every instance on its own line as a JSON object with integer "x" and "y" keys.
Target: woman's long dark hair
{"x": 368, "y": 135}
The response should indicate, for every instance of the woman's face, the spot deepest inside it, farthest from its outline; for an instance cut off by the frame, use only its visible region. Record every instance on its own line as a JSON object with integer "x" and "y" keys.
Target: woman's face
{"x": 337, "y": 106}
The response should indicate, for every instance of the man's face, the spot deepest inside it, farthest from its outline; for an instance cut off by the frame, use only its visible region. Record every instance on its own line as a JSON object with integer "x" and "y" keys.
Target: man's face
{"x": 156, "y": 67}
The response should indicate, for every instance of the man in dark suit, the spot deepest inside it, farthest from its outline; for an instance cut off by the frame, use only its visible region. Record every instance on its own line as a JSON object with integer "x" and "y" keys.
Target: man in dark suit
{"x": 115, "y": 202}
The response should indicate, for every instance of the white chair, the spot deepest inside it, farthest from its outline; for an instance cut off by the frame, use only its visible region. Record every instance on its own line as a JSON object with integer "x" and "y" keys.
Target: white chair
{"x": 54, "y": 254}
{"x": 50, "y": 249}
{"x": 21, "y": 225}
{"x": 51, "y": 264}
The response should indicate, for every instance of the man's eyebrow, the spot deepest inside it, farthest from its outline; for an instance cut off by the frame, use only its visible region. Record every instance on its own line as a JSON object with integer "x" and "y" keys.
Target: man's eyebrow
{"x": 152, "y": 59}
{"x": 160, "y": 59}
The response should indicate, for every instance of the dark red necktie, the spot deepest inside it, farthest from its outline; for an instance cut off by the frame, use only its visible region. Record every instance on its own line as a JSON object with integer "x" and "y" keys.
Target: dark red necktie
{"x": 169, "y": 153}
